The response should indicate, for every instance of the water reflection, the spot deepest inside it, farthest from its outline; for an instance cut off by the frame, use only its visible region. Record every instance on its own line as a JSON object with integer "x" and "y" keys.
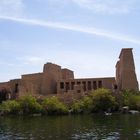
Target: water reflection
{"x": 87, "y": 127}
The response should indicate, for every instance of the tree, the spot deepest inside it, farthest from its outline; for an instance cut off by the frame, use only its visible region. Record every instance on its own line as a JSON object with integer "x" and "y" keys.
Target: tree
{"x": 102, "y": 100}
{"x": 29, "y": 105}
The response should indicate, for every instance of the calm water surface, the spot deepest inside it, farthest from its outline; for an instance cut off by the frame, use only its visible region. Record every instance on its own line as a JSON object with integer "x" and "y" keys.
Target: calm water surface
{"x": 87, "y": 127}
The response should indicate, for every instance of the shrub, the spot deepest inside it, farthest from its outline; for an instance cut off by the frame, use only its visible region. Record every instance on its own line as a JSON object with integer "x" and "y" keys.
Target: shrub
{"x": 53, "y": 106}
{"x": 87, "y": 104}
{"x": 130, "y": 98}
{"x": 102, "y": 100}
{"x": 125, "y": 97}
{"x": 82, "y": 106}
{"x": 77, "y": 107}
{"x": 29, "y": 105}
{"x": 10, "y": 107}
{"x": 134, "y": 102}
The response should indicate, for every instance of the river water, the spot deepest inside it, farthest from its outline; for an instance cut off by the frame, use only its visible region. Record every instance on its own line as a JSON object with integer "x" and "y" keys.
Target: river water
{"x": 77, "y": 127}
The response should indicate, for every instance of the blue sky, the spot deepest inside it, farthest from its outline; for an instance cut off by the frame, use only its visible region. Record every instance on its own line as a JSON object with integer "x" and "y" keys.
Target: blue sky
{"x": 83, "y": 35}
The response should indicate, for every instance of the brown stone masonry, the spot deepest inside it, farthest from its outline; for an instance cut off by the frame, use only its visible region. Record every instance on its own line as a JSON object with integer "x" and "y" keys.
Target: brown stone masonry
{"x": 55, "y": 80}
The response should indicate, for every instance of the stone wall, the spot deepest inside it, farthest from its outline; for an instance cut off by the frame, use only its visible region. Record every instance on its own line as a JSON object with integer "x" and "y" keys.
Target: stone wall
{"x": 84, "y": 85}
{"x": 15, "y": 85}
{"x": 51, "y": 74}
{"x": 31, "y": 84}
{"x": 125, "y": 71}
{"x": 4, "y": 85}
{"x": 67, "y": 74}
{"x": 55, "y": 80}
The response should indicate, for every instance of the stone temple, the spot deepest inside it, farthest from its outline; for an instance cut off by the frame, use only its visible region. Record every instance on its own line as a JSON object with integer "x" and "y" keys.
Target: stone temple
{"x": 56, "y": 80}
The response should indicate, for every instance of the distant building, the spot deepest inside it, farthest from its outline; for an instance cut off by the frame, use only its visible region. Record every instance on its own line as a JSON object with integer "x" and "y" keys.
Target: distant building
{"x": 55, "y": 80}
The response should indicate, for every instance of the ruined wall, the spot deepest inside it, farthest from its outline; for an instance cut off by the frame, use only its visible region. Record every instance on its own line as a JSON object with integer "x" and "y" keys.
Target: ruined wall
{"x": 4, "y": 91}
{"x": 11, "y": 88}
{"x": 51, "y": 74}
{"x": 4, "y": 85}
{"x": 84, "y": 85}
{"x": 125, "y": 71}
{"x": 31, "y": 84}
{"x": 14, "y": 86}
{"x": 118, "y": 74}
{"x": 54, "y": 80}
{"x": 39, "y": 83}
{"x": 67, "y": 74}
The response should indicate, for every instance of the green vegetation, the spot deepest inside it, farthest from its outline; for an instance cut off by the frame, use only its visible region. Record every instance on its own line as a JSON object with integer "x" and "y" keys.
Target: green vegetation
{"x": 25, "y": 105}
{"x": 53, "y": 106}
{"x": 29, "y": 105}
{"x": 82, "y": 106}
{"x": 10, "y": 107}
{"x": 100, "y": 100}
{"x": 103, "y": 100}
{"x": 130, "y": 98}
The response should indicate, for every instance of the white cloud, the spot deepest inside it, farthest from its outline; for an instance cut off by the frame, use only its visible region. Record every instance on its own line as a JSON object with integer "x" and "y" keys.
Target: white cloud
{"x": 107, "y": 6}
{"x": 76, "y": 28}
{"x": 11, "y": 8}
